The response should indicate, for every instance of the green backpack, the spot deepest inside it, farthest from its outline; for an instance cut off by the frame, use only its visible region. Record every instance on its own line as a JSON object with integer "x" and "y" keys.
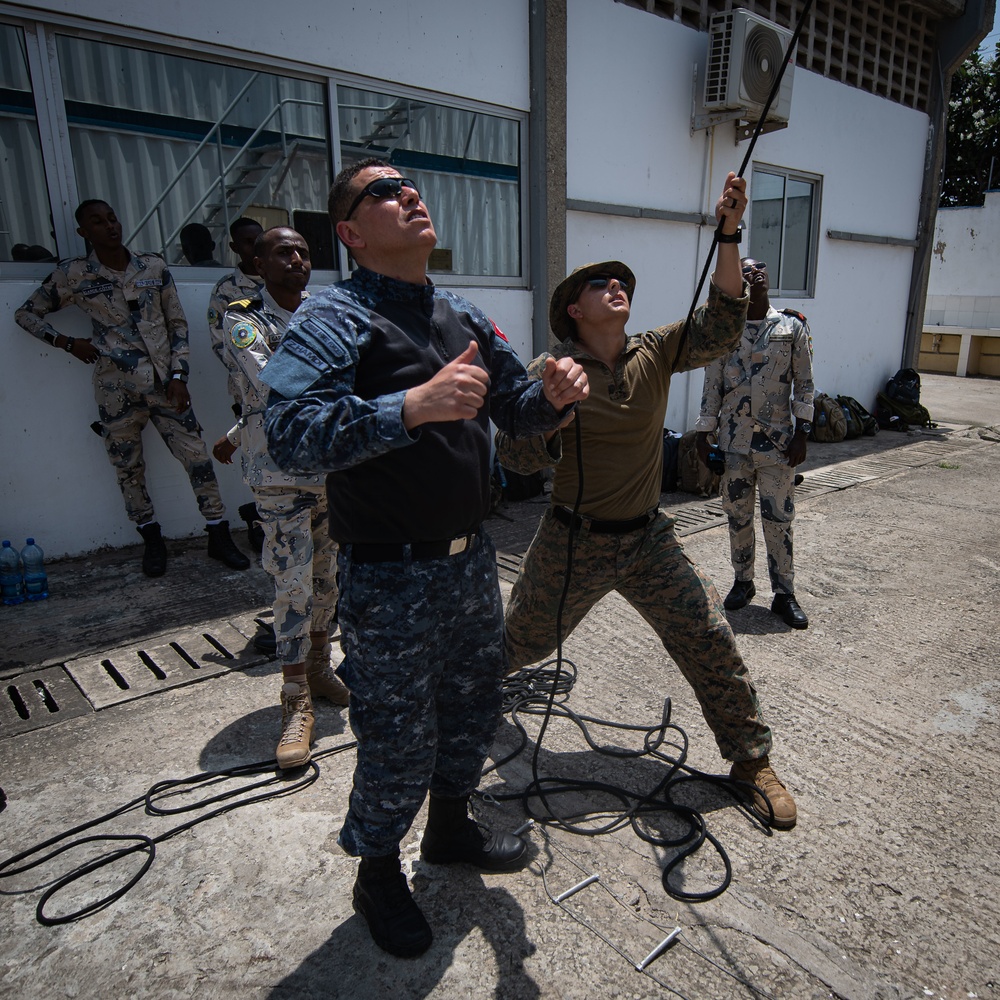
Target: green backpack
{"x": 899, "y": 415}
{"x": 829, "y": 423}
{"x": 859, "y": 420}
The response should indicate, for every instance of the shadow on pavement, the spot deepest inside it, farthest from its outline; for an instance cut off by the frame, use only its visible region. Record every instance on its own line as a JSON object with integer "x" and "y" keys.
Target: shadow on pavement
{"x": 456, "y": 902}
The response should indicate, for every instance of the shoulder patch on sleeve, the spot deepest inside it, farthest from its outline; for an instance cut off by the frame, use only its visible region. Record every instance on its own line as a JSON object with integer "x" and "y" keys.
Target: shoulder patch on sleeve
{"x": 795, "y": 313}
{"x": 499, "y": 332}
{"x": 241, "y": 304}
{"x": 242, "y": 334}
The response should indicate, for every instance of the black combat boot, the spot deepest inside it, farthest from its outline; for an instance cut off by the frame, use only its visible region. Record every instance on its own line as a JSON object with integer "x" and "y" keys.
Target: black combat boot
{"x": 154, "y": 556}
{"x": 383, "y": 898}
{"x": 451, "y": 836}
{"x": 255, "y": 533}
{"x": 222, "y": 547}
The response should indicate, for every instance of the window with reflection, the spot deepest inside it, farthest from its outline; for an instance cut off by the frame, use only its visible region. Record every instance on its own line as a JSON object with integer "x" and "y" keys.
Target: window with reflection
{"x": 175, "y": 144}
{"x": 466, "y": 164}
{"x": 784, "y": 226}
{"x": 26, "y": 232}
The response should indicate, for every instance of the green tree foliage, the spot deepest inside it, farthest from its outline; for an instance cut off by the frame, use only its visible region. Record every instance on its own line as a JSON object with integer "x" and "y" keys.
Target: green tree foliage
{"x": 973, "y": 143}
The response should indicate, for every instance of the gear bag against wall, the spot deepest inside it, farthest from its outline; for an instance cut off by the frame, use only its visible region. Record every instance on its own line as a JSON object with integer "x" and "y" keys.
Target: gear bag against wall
{"x": 828, "y": 421}
{"x": 904, "y": 386}
{"x": 899, "y": 406}
{"x": 896, "y": 415}
{"x": 671, "y": 446}
{"x": 692, "y": 475}
{"x": 859, "y": 420}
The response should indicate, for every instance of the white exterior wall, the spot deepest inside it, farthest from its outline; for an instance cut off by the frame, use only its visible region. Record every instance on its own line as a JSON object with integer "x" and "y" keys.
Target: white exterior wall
{"x": 56, "y": 483}
{"x": 629, "y": 100}
{"x": 963, "y": 288}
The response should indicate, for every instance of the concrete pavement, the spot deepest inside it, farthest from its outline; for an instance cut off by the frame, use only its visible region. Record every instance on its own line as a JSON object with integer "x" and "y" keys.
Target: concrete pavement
{"x": 885, "y": 714}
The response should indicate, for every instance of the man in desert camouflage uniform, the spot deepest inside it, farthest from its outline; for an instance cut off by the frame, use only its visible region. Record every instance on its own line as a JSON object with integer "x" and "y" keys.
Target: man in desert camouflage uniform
{"x": 623, "y": 542}
{"x": 244, "y": 282}
{"x": 139, "y": 350}
{"x": 298, "y": 552}
{"x": 749, "y": 399}
{"x": 388, "y": 384}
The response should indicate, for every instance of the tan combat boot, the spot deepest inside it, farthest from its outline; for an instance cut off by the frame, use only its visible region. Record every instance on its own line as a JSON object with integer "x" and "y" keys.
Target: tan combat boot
{"x": 323, "y": 682}
{"x": 296, "y": 725}
{"x": 767, "y": 788}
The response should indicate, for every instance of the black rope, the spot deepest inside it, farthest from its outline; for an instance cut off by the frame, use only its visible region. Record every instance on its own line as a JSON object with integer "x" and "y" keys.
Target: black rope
{"x": 226, "y": 801}
{"x": 743, "y": 166}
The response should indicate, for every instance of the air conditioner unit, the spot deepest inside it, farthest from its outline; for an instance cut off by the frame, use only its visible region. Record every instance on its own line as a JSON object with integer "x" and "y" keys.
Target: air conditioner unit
{"x": 745, "y": 54}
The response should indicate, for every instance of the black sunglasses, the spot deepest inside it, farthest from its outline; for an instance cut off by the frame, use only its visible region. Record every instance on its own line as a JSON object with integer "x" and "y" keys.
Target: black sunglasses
{"x": 382, "y": 187}
{"x": 603, "y": 280}
{"x": 758, "y": 266}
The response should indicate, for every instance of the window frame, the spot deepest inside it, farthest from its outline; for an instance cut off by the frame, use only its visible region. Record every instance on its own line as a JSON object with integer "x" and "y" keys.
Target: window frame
{"x": 778, "y": 289}
{"x": 57, "y": 158}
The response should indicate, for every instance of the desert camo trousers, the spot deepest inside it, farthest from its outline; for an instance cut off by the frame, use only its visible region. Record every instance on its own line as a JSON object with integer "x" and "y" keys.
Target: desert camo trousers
{"x": 649, "y": 568}
{"x": 423, "y": 658}
{"x": 772, "y": 477}
{"x": 124, "y": 412}
{"x": 301, "y": 558}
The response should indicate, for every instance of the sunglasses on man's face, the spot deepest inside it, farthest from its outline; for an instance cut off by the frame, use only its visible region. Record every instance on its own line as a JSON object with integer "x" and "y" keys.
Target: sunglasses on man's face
{"x": 382, "y": 187}
{"x": 757, "y": 266}
{"x": 603, "y": 280}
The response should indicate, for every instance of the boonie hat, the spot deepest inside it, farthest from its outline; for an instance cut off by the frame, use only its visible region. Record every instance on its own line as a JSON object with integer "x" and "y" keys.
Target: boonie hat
{"x": 568, "y": 291}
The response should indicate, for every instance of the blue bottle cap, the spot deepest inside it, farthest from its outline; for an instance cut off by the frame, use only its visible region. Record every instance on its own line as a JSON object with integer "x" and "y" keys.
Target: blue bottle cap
{"x": 31, "y": 541}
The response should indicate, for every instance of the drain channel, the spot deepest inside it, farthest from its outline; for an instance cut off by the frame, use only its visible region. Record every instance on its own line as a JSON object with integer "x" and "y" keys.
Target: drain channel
{"x": 40, "y": 699}
{"x": 127, "y": 672}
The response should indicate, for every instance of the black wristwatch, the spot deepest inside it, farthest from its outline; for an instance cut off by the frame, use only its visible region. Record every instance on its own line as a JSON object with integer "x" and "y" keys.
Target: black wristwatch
{"x": 736, "y": 237}
{"x": 180, "y": 376}
{"x": 805, "y": 426}
{"x": 68, "y": 346}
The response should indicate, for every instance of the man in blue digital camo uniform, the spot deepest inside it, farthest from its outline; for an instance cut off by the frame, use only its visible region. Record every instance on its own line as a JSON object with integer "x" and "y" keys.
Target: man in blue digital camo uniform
{"x": 749, "y": 400}
{"x": 623, "y": 541}
{"x": 388, "y": 384}
{"x": 139, "y": 350}
{"x": 297, "y": 551}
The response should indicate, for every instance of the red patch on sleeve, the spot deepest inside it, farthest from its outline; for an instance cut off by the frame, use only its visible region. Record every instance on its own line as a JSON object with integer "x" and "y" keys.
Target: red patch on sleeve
{"x": 499, "y": 332}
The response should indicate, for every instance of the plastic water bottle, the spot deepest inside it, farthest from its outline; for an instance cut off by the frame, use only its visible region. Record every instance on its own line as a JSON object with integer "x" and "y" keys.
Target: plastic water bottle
{"x": 11, "y": 581}
{"x": 36, "y": 583}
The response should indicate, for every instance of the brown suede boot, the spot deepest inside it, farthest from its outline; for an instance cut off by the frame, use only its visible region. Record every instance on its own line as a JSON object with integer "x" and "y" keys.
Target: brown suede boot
{"x": 323, "y": 682}
{"x": 296, "y": 725}
{"x": 767, "y": 788}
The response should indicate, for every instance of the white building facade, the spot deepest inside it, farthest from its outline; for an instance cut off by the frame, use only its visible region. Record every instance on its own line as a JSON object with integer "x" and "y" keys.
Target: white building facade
{"x": 543, "y": 135}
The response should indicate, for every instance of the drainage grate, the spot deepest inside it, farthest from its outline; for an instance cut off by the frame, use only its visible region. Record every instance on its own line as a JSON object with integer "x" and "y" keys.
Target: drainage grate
{"x": 39, "y": 699}
{"x": 192, "y": 655}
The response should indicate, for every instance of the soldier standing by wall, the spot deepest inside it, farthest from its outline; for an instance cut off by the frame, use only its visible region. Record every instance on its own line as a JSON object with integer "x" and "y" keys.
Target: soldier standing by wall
{"x": 298, "y": 551}
{"x": 749, "y": 400}
{"x": 139, "y": 350}
{"x": 243, "y": 283}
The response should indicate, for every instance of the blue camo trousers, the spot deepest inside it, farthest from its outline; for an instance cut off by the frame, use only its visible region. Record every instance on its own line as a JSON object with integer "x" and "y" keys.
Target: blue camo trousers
{"x": 650, "y": 570}
{"x": 124, "y": 412}
{"x": 301, "y": 558}
{"x": 772, "y": 476}
{"x": 423, "y": 659}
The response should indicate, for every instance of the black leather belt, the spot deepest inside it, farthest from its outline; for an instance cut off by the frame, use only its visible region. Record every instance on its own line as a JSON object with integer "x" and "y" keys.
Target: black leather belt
{"x": 603, "y": 527}
{"x": 372, "y": 552}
